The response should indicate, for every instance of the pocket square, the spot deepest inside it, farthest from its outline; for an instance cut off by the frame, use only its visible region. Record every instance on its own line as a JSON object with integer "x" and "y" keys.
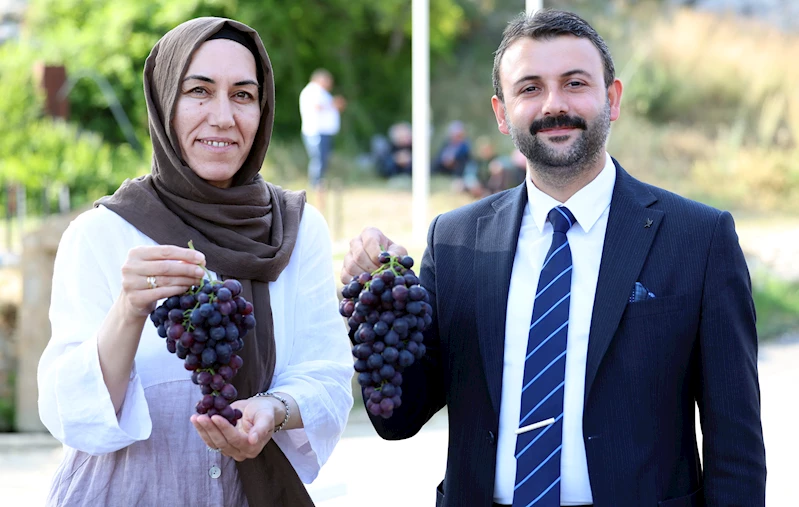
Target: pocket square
{"x": 640, "y": 293}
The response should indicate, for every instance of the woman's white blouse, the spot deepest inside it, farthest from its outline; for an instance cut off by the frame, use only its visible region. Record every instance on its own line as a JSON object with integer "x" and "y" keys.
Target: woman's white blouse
{"x": 313, "y": 362}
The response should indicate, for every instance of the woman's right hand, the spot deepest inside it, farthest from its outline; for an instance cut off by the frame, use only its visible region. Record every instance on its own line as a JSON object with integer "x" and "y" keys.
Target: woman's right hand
{"x": 364, "y": 250}
{"x": 173, "y": 269}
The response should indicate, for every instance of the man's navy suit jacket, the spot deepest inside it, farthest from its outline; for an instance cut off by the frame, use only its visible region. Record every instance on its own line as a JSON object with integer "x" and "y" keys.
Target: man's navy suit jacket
{"x": 649, "y": 363}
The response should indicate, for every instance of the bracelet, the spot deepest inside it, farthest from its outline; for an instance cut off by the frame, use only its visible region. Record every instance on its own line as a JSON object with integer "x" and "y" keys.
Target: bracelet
{"x": 285, "y": 403}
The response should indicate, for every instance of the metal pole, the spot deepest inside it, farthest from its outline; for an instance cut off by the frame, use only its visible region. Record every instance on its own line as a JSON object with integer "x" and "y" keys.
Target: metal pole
{"x": 420, "y": 52}
{"x": 531, "y": 6}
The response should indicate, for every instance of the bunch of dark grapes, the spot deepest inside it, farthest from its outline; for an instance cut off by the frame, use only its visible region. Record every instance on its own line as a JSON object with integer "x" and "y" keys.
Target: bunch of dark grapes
{"x": 387, "y": 311}
{"x": 205, "y": 327}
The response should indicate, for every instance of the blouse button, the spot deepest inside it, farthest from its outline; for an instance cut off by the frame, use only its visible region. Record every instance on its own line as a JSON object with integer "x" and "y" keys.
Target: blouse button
{"x": 214, "y": 472}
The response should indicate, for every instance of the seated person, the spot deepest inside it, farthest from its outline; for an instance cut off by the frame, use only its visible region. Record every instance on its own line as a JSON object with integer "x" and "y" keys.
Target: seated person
{"x": 455, "y": 154}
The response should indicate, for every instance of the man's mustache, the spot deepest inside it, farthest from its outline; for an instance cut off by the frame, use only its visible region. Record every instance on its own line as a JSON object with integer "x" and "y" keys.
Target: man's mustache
{"x": 554, "y": 122}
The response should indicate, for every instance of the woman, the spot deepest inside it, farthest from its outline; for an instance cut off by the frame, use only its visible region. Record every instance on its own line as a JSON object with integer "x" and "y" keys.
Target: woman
{"x": 108, "y": 388}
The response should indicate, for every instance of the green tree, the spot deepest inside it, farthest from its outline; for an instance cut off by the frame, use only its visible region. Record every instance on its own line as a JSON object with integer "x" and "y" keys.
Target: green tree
{"x": 365, "y": 44}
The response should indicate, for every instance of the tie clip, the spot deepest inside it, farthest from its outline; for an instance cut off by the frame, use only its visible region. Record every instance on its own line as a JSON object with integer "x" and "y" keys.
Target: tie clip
{"x": 535, "y": 426}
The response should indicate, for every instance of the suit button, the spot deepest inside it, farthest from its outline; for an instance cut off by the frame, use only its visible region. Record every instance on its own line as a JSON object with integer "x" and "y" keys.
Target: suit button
{"x": 491, "y": 438}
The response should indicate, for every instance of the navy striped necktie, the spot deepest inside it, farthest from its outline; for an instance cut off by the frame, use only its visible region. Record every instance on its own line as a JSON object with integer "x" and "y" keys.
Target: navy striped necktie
{"x": 538, "y": 450}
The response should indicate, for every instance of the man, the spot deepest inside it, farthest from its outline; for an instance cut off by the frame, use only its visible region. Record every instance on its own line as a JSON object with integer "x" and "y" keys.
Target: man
{"x": 320, "y": 113}
{"x": 584, "y": 310}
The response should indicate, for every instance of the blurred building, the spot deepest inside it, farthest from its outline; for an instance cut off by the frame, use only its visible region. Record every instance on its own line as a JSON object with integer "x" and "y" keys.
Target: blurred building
{"x": 781, "y": 13}
{"x": 11, "y": 13}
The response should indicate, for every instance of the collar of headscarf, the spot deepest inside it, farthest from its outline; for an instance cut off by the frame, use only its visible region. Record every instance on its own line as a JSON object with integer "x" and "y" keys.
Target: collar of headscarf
{"x": 247, "y": 231}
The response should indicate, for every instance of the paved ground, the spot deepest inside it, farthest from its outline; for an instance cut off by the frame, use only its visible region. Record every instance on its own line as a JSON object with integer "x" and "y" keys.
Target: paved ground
{"x": 414, "y": 467}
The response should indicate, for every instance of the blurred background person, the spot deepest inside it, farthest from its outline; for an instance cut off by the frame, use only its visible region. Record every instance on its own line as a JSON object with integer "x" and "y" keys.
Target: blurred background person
{"x": 506, "y": 172}
{"x": 392, "y": 155}
{"x": 455, "y": 154}
{"x": 321, "y": 121}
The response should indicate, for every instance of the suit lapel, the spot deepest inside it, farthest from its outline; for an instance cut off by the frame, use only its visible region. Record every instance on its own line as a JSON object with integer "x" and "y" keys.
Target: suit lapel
{"x": 495, "y": 249}
{"x": 631, "y": 228}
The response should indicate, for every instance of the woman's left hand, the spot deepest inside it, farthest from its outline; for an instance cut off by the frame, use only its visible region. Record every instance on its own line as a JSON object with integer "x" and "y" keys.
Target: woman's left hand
{"x": 252, "y": 432}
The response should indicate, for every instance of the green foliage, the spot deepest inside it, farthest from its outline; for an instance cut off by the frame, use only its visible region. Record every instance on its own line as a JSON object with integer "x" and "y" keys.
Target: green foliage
{"x": 7, "y": 405}
{"x": 365, "y": 44}
{"x": 38, "y": 151}
{"x": 776, "y": 304}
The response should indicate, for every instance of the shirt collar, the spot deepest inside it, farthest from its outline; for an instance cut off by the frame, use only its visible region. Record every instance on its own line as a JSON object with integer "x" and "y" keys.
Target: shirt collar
{"x": 587, "y": 204}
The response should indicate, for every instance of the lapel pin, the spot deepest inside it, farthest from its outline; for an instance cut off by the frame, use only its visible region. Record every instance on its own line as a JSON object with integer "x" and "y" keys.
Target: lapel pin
{"x": 649, "y": 223}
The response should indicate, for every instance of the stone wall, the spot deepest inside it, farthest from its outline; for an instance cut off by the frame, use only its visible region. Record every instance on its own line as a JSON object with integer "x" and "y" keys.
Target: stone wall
{"x": 33, "y": 325}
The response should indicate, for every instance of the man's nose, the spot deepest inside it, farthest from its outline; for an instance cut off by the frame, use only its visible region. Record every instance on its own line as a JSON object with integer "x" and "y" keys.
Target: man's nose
{"x": 555, "y": 103}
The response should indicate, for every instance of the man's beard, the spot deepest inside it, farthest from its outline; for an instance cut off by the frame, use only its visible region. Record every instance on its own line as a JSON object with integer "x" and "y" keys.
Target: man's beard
{"x": 562, "y": 167}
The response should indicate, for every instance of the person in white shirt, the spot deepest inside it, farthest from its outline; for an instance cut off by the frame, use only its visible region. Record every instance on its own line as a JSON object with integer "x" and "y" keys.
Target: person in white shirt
{"x": 109, "y": 389}
{"x": 581, "y": 318}
{"x": 321, "y": 120}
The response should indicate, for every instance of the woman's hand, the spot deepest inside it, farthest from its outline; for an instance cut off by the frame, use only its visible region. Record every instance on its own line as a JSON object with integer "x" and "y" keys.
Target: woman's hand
{"x": 364, "y": 250}
{"x": 251, "y": 433}
{"x": 151, "y": 273}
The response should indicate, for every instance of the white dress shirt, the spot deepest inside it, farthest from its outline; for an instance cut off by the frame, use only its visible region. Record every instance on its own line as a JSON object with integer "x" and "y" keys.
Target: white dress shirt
{"x": 590, "y": 206}
{"x": 319, "y": 115}
{"x": 313, "y": 362}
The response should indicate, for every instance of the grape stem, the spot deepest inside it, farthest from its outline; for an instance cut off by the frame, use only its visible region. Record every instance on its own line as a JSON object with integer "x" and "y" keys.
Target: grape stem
{"x": 210, "y": 278}
{"x": 393, "y": 264}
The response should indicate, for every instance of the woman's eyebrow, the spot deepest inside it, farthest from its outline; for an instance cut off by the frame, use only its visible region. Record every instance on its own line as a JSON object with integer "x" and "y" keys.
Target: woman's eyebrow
{"x": 209, "y": 80}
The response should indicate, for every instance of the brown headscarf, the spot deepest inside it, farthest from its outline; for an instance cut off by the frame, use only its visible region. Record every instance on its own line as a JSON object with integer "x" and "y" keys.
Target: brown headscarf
{"x": 247, "y": 231}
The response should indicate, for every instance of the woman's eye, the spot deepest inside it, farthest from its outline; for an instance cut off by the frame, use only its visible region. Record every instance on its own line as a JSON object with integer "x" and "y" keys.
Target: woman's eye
{"x": 244, "y": 95}
{"x": 198, "y": 91}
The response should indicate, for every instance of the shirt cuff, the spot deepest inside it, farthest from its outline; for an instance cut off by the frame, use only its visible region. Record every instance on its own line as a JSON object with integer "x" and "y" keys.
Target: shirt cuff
{"x": 89, "y": 421}
{"x": 324, "y": 420}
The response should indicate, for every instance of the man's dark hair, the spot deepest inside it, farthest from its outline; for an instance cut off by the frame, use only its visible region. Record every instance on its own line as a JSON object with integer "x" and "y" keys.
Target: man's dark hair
{"x": 547, "y": 24}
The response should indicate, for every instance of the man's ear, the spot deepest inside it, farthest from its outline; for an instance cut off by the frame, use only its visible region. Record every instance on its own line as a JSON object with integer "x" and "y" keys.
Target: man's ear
{"x": 499, "y": 112}
{"x": 614, "y": 98}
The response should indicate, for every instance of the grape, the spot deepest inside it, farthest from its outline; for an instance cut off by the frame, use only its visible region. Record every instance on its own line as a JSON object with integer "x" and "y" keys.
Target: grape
{"x": 214, "y": 319}
{"x": 387, "y": 311}
{"x": 228, "y": 392}
{"x": 172, "y": 303}
{"x": 380, "y": 328}
{"x": 175, "y": 331}
{"x": 226, "y": 372}
{"x": 220, "y": 402}
{"x": 217, "y": 382}
{"x": 234, "y": 286}
{"x": 390, "y": 355}
{"x": 187, "y": 301}
{"x": 175, "y": 315}
{"x": 377, "y": 286}
{"x": 391, "y": 338}
{"x": 192, "y": 362}
{"x": 206, "y": 326}
{"x": 227, "y": 412}
{"x": 388, "y": 390}
{"x": 204, "y": 378}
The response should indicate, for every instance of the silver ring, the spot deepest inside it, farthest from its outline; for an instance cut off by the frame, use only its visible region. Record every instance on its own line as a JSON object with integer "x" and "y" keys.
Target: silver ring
{"x": 211, "y": 449}
{"x": 151, "y": 282}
